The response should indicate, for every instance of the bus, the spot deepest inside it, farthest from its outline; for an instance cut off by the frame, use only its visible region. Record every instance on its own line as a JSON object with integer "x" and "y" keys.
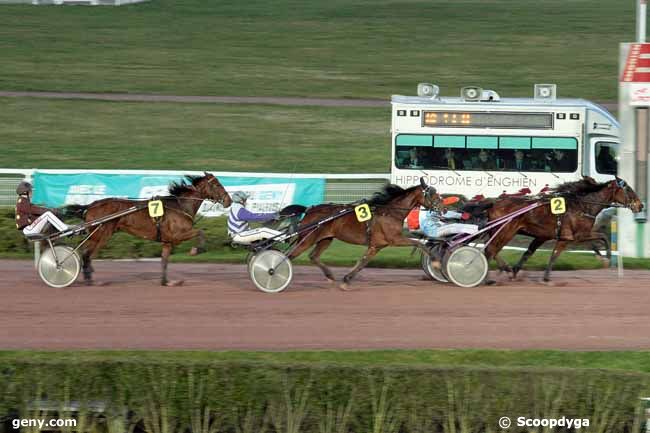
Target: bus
{"x": 481, "y": 144}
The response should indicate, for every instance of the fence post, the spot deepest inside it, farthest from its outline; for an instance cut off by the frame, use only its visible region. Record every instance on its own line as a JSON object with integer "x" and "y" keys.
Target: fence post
{"x": 614, "y": 246}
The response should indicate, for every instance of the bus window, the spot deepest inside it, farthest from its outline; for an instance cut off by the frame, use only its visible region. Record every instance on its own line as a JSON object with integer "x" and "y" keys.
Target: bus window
{"x": 559, "y": 154}
{"x": 606, "y": 157}
{"x": 479, "y": 153}
{"x": 413, "y": 151}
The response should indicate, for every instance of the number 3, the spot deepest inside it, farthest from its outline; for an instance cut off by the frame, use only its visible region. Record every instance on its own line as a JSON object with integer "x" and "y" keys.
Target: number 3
{"x": 363, "y": 213}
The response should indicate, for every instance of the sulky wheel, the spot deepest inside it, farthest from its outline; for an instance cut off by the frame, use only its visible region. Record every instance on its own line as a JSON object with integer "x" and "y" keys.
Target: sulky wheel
{"x": 59, "y": 266}
{"x": 465, "y": 266}
{"x": 271, "y": 271}
{"x": 432, "y": 271}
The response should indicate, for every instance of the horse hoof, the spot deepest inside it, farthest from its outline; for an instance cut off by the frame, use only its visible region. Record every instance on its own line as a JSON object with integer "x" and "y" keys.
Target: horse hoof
{"x": 331, "y": 280}
{"x": 605, "y": 263}
{"x": 345, "y": 287}
{"x": 173, "y": 283}
{"x": 96, "y": 283}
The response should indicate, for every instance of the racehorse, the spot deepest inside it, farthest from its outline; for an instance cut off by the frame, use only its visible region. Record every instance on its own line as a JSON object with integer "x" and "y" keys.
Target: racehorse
{"x": 584, "y": 199}
{"x": 389, "y": 208}
{"x": 173, "y": 227}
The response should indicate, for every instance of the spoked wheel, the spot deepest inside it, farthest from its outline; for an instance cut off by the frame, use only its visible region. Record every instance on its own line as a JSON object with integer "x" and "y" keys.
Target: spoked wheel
{"x": 59, "y": 266}
{"x": 465, "y": 266}
{"x": 271, "y": 271}
{"x": 432, "y": 271}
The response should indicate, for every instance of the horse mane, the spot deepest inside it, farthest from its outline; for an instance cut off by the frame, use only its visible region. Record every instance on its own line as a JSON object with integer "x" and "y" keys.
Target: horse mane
{"x": 388, "y": 193}
{"x": 580, "y": 187}
{"x": 184, "y": 185}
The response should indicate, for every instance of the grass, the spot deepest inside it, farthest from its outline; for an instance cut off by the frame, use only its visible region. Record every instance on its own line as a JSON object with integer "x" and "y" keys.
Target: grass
{"x": 368, "y": 48}
{"x": 633, "y": 361}
{"x": 110, "y": 135}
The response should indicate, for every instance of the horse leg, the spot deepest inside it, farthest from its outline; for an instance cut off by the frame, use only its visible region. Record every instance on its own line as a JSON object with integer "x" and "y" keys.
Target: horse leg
{"x": 608, "y": 249}
{"x": 607, "y": 259}
{"x": 370, "y": 253}
{"x": 503, "y": 265}
{"x": 557, "y": 250}
{"x": 314, "y": 256}
{"x": 497, "y": 244}
{"x": 166, "y": 252}
{"x": 304, "y": 243}
{"x": 532, "y": 247}
{"x": 200, "y": 245}
{"x": 92, "y": 245}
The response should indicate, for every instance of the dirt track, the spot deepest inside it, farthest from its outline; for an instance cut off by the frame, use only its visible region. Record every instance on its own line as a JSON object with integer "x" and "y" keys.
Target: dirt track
{"x": 218, "y": 308}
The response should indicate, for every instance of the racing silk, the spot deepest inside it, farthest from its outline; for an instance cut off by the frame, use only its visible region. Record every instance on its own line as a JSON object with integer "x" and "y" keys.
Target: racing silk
{"x": 239, "y": 217}
{"x": 26, "y": 212}
{"x": 433, "y": 224}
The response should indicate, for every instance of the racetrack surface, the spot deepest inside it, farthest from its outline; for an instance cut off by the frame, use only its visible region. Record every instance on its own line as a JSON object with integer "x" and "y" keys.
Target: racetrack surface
{"x": 219, "y": 308}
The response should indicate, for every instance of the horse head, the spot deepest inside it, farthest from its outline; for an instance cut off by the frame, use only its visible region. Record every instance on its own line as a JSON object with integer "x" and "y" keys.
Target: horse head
{"x": 623, "y": 193}
{"x": 429, "y": 197}
{"x": 210, "y": 188}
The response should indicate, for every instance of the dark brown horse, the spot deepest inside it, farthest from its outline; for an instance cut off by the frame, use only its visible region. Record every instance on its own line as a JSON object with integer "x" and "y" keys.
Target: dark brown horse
{"x": 389, "y": 209}
{"x": 584, "y": 200}
{"x": 174, "y": 227}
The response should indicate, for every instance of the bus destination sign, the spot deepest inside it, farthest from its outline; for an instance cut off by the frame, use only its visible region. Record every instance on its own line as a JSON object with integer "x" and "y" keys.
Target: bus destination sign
{"x": 504, "y": 120}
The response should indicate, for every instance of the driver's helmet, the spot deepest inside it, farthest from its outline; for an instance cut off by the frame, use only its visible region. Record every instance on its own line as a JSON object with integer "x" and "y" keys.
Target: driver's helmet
{"x": 24, "y": 187}
{"x": 239, "y": 197}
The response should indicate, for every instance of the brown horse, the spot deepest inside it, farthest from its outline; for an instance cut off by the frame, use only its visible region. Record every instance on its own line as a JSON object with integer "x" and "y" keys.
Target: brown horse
{"x": 174, "y": 227}
{"x": 389, "y": 208}
{"x": 584, "y": 200}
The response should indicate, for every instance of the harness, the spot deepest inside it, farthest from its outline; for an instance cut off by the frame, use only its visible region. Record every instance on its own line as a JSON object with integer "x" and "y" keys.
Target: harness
{"x": 619, "y": 182}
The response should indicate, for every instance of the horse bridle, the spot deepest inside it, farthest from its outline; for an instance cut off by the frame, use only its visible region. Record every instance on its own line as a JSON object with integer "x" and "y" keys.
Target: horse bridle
{"x": 222, "y": 198}
{"x": 426, "y": 194}
{"x": 622, "y": 185}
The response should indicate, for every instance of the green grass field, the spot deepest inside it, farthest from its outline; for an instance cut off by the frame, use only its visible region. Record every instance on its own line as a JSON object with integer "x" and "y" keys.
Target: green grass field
{"x": 110, "y": 135}
{"x": 634, "y": 361}
{"x": 370, "y": 48}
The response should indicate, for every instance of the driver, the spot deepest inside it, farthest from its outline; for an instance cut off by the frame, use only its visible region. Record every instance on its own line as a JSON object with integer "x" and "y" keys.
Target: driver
{"x": 239, "y": 217}
{"x": 435, "y": 223}
{"x": 32, "y": 219}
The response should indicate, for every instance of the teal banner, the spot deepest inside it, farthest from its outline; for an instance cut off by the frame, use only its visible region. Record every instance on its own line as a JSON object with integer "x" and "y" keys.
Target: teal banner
{"x": 267, "y": 194}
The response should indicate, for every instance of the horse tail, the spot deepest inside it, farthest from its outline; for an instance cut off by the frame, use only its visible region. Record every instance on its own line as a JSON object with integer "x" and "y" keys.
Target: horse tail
{"x": 75, "y": 210}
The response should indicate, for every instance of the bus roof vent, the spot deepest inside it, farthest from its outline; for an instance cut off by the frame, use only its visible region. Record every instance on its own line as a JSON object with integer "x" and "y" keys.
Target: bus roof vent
{"x": 490, "y": 96}
{"x": 428, "y": 90}
{"x": 545, "y": 92}
{"x": 477, "y": 94}
{"x": 471, "y": 93}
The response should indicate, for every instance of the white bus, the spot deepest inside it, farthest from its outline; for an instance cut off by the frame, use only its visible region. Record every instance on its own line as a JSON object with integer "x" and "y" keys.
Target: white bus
{"x": 479, "y": 143}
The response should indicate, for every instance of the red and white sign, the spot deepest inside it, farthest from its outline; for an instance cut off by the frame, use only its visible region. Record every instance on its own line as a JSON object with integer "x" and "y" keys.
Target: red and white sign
{"x": 637, "y": 65}
{"x": 640, "y": 94}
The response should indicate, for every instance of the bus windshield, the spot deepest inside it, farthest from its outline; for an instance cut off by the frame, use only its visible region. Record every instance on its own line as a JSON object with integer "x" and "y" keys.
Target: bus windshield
{"x": 480, "y": 153}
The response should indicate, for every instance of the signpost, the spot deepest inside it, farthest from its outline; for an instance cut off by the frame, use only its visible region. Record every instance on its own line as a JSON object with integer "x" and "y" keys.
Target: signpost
{"x": 634, "y": 115}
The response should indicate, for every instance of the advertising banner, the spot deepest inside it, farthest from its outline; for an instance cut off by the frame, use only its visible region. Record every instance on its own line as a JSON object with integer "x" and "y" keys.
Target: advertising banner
{"x": 267, "y": 194}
